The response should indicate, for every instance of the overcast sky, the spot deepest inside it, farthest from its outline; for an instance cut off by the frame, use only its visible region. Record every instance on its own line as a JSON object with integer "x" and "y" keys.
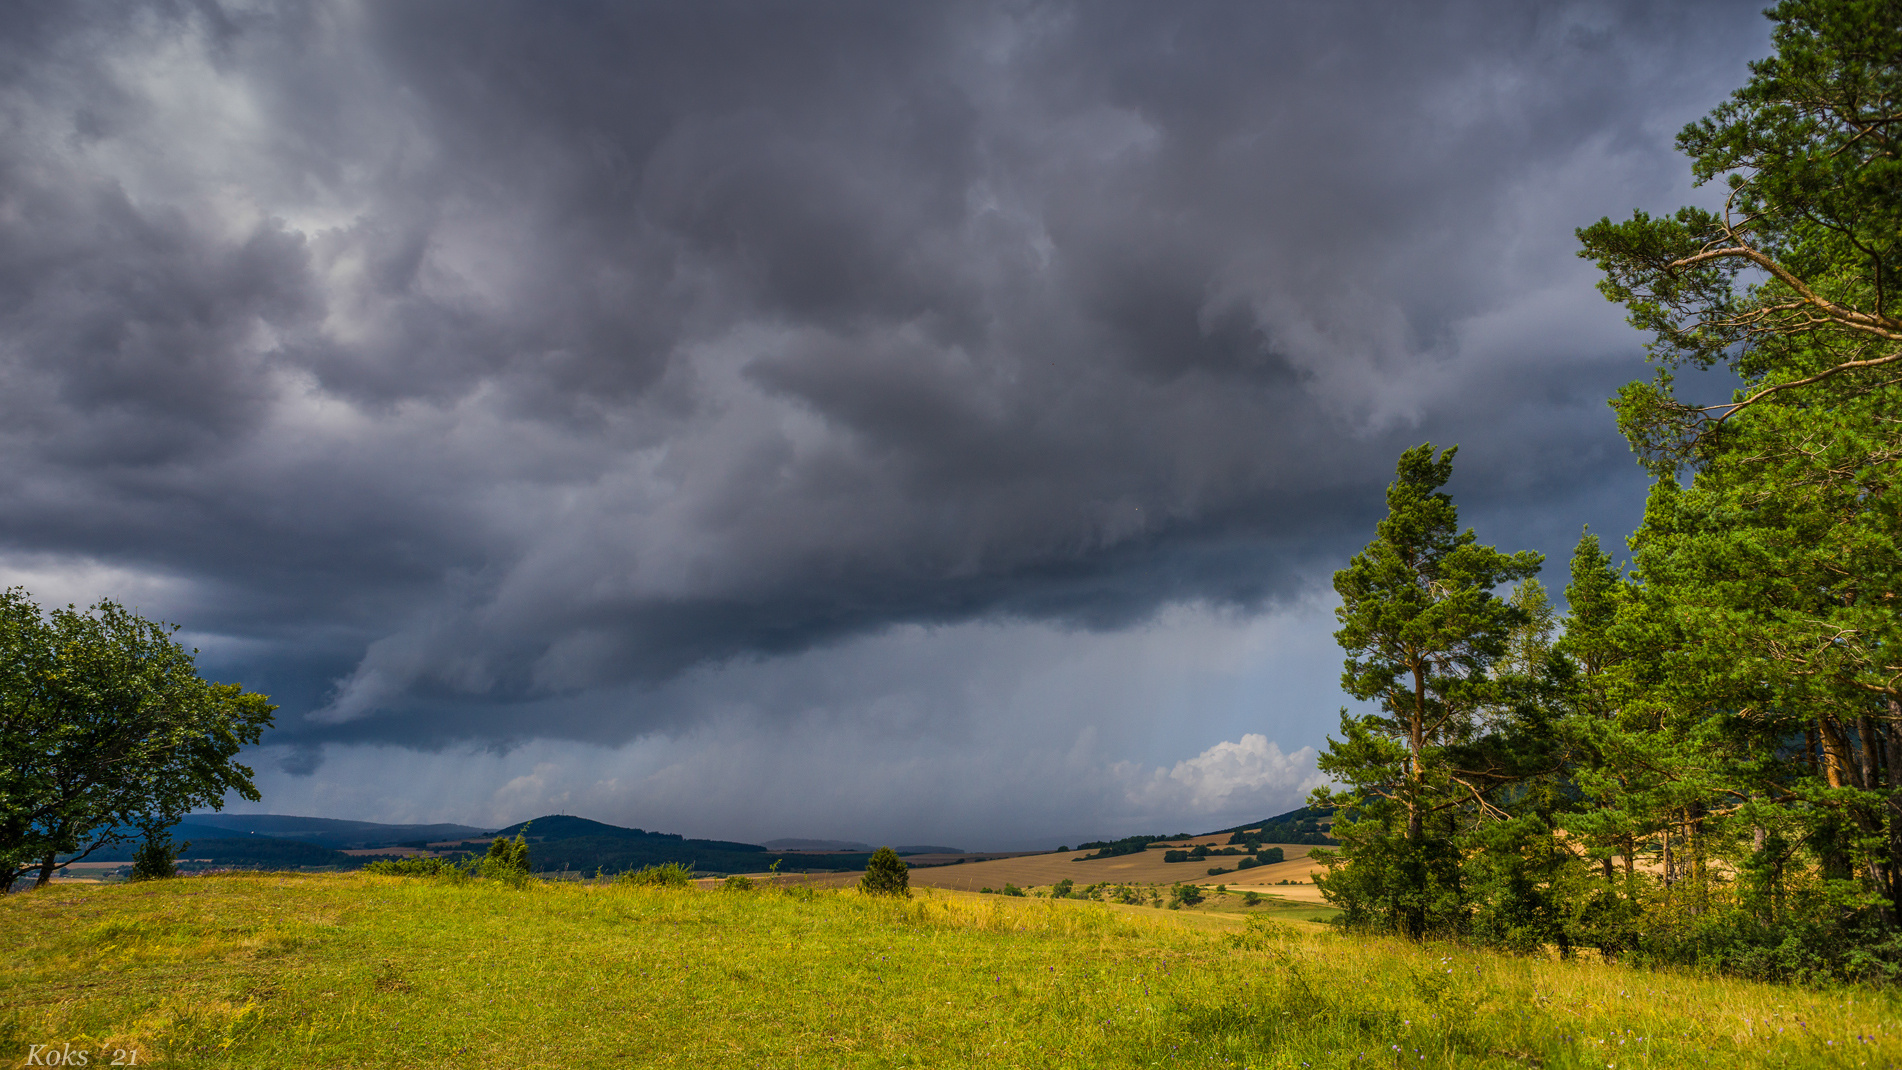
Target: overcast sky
{"x": 896, "y": 422}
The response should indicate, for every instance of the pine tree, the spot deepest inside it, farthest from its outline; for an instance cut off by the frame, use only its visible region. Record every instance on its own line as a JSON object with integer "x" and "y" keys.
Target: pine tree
{"x": 886, "y": 874}
{"x": 157, "y": 857}
{"x": 1423, "y": 629}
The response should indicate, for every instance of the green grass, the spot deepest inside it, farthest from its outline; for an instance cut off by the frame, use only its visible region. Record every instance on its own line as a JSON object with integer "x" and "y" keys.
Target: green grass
{"x": 353, "y": 970}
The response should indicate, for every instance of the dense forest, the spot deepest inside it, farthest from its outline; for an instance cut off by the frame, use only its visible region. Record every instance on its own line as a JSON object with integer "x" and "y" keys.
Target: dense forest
{"x": 1698, "y": 762}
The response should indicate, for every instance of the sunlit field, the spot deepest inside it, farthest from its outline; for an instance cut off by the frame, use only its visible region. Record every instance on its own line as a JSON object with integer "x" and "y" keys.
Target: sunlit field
{"x": 356, "y": 970}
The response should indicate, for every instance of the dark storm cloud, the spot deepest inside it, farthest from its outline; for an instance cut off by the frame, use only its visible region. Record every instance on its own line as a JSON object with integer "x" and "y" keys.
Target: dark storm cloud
{"x": 455, "y": 355}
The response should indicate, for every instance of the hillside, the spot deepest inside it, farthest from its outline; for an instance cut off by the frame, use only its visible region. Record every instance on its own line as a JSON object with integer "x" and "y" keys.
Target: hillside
{"x": 1145, "y": 868}
{"x": 579, "y": 845}
{"x": 265, "y": 852}
{"x": 1308, "y": 825}
{"x": 328, "y": 832}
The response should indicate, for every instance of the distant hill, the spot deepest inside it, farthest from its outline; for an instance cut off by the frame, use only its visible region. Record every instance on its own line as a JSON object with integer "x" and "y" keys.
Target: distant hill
{"x": 323, "y": 832}
{"x": 816, "y": 845}
{"x": 1307, "y": 825}
{"x": 329, "y": 832}
{"x": 928, "y": 849}
{"x": 267, "y": 852}
{"x": 560, "y": 841}
{"x": 239, "y": 851}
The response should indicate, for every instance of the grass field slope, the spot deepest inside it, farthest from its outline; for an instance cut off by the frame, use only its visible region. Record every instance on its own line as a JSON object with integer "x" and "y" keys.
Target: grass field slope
{"x": 283, "y": 970}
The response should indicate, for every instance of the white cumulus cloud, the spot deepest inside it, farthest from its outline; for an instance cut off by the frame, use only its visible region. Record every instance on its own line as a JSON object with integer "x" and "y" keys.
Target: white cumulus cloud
{"x": 1229, "y": 778}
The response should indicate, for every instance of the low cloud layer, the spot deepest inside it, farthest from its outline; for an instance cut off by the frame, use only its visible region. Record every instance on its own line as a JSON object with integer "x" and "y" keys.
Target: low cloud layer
{"x": 467, "y": 376}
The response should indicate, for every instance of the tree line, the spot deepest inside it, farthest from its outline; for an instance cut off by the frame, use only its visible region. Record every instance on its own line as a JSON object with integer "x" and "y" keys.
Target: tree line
{"x": 1700, "y": 760}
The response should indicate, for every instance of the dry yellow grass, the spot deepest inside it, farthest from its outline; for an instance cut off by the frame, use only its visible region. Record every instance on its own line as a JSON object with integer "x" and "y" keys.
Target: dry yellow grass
{"x": 1036, "y": 871}
{"x": 1145, "y": 868}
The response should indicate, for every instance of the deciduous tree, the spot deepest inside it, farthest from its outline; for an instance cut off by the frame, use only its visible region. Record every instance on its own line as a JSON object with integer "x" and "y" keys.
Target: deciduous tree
{"x": 107, "y": 730}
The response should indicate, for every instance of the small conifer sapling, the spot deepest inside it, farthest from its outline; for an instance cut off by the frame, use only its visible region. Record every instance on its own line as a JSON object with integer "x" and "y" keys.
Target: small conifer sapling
{"x": 886, "y": 874}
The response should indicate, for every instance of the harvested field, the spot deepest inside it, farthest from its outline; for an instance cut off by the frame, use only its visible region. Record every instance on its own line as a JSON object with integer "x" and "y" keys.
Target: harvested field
{"x": 1038, "y": 870}
{"x": 1145, "y": 868}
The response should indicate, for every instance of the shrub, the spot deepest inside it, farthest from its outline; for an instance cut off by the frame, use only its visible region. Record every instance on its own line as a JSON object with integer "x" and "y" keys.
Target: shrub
{"x": 1216, "y": 870}
{"x": 987, "y": 890}
{"x": 664, "y": 875}
{"x": 1175, "y": 856}
{"x": 157, "y": 857}
{"x": 737, "y": 883}
{"x": 1248, "y": 863}
{"x": 1061, "y": 889}
{"x": 886, "y": 874}
{"x": 1250, "y": 899}
{"x": 1261, "y": 933}
{"x": 1011, "y": 889}
{"x": 421, "y": 866}
{"x": 1272, "y": 854}
{"x": 507, "y": 860}
{"x": 1199, "y": 851}
{"x": 1184, "y": 895}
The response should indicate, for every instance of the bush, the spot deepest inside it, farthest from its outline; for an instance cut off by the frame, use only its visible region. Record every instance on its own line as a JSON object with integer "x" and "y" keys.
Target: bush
{"x": 664, "y": 875}
{"x": 1272, "y": 854}
{"x": 1198, "y": 852}
{"x": 421, "y": 866}
{"x": 1011, "y": 889}
{"x": 1175, "y": 856}
{"x": 1061, "y": 889}
{"x": 507, "y": 860}
{"x": 1216, "y": 870}
{"x": 1250, "y": 899}
{"x": 1261, "y": 933}
{"x": 886, "y": 874}
{"x": 1248, "y": 863}
{"x": 1184, "y": 895}
{"x": 737, "y": 883}
{"x": 157, "y": 857}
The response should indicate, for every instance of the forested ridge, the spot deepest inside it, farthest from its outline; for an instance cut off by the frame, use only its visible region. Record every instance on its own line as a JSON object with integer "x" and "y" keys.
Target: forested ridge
{"x": 1698, "y": 761}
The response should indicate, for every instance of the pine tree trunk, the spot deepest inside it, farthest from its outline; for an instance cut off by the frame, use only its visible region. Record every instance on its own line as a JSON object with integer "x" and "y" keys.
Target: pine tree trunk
{"x": 1837, "y": 768}
{"x": 1891, "y": 763}
{"x": 1694, "y": 838}
{"x": 1417, "y": 769}
{"x": 1881, "y": 865}
{"x": 1669, "y": 874}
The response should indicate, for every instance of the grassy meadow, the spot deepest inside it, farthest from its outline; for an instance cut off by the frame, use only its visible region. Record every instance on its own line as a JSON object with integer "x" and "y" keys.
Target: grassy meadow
{"x": 284, "y": 970}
